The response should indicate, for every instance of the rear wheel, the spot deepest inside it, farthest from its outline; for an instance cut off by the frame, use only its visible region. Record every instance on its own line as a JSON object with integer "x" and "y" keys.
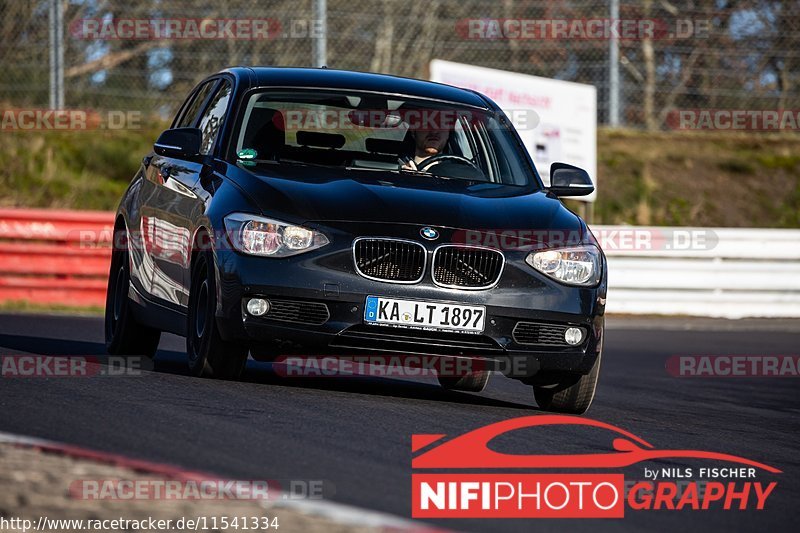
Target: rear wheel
{"x": 208, "y": 353}
{"x": 472, "y": 382}
{"x": 123, "y": 334}
{"x": 571, "y": 394}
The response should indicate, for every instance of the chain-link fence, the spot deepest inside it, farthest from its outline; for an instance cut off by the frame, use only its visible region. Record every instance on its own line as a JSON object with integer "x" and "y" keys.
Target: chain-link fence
{"x": 670, "y": 54}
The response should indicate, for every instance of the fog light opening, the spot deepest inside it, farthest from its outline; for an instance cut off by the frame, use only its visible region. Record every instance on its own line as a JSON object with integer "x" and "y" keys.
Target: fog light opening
{"x": 573, "y": 336}
{"x": 257, "y": 306}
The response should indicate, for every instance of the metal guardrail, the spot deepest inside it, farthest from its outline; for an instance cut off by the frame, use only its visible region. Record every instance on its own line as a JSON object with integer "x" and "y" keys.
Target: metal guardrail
{"x": 62, "y": 257}
{"x": 717, "y": 272}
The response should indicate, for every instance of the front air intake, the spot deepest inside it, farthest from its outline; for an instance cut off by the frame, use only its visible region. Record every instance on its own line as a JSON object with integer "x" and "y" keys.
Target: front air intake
{"x": 541, "y": 333}
{"x": 298, "y": 311}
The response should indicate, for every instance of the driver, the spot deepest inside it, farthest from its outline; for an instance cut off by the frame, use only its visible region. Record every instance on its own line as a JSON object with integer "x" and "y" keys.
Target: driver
{"x": 427, "y": 143}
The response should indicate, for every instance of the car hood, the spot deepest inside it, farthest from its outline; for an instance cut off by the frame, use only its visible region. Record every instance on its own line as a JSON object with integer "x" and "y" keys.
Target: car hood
{"x": 304, "y": 194}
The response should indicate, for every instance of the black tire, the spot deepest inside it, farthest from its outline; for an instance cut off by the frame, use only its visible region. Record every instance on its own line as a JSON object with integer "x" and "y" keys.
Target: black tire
{"x": 573, "y": 394}
{"x": 208, "y": 353}
{"x": 472, "y": 382}
{"x": 123, "y": 334}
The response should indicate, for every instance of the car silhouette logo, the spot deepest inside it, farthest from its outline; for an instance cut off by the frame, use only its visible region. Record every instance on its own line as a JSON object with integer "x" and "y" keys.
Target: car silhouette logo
{"x": 429, "y": 233}
{"x": 471, "y": 449}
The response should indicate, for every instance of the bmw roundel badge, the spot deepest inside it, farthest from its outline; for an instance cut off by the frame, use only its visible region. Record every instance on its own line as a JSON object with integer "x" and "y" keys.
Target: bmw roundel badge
{"x": 429, "y": 233}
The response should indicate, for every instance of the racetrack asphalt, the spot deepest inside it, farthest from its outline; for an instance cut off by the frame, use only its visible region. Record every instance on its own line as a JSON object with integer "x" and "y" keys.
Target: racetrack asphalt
{"x": 353, "y": 433}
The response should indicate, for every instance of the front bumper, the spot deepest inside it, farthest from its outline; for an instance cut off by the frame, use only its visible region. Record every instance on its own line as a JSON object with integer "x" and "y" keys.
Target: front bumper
{"x": 327, "y": 276}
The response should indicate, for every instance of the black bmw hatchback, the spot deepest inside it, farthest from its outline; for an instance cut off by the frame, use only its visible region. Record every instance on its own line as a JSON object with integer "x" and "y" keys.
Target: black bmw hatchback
{"x": 310, "y": 211}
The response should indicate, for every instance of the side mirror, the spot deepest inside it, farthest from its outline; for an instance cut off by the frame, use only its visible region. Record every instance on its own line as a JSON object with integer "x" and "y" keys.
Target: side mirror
{"x": 567, "y": 180}
{"x": 183, "y": 143}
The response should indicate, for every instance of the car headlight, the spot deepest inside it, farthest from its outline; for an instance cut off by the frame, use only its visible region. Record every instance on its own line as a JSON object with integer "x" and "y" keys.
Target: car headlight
{"x": 266, "y": 237}
{"x": 574, "y": 266}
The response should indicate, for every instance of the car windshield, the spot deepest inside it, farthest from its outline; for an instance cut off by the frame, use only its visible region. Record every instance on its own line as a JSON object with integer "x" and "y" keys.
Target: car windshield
{"x": 368, "y": 131}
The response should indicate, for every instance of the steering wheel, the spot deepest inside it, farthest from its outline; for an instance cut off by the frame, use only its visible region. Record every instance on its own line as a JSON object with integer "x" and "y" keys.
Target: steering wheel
{"x": 446, "y": 158}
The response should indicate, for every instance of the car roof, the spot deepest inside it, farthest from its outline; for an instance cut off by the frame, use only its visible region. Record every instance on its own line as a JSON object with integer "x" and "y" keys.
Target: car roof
{"x": 365, "y": 81}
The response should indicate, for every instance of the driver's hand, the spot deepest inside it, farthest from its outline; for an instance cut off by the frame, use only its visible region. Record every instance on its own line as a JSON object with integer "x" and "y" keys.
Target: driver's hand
{"x": 409, "y": 165}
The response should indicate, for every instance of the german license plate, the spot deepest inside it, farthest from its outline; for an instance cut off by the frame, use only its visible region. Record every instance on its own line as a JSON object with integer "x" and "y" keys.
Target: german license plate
{"x": 425, "y": 315}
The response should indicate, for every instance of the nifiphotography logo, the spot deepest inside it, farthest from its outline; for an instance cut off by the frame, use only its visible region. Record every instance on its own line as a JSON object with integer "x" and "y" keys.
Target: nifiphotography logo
{"x": 455, "y": 483}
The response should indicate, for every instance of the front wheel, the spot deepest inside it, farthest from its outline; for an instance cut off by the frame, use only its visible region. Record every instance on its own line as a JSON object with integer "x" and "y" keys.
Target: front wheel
{"x": 123, "y": 334}
{"x": 208, "y": 353}
{"x": 572, "y": 394}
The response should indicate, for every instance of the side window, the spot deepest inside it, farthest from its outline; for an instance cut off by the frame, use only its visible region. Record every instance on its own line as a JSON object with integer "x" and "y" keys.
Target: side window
{"x": 190, "y": 112}
{"x": 512, "y": 170}
{"x": 462, "y": 141}
{"x": 212, "y": 119}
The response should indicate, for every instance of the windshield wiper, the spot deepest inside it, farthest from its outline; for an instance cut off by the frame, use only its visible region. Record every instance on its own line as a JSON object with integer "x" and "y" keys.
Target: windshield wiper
{"x": 414, "y": 172}
{"x": 291, "y": 162}
{"x": 428, "y": 174}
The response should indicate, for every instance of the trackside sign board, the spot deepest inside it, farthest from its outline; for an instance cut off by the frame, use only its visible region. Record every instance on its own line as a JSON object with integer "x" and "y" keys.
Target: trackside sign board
{"x": 563, "y": 125}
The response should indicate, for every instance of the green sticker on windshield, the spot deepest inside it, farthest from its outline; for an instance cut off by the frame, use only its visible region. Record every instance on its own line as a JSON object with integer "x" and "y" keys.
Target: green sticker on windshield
{"x": 247, "y": 154}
